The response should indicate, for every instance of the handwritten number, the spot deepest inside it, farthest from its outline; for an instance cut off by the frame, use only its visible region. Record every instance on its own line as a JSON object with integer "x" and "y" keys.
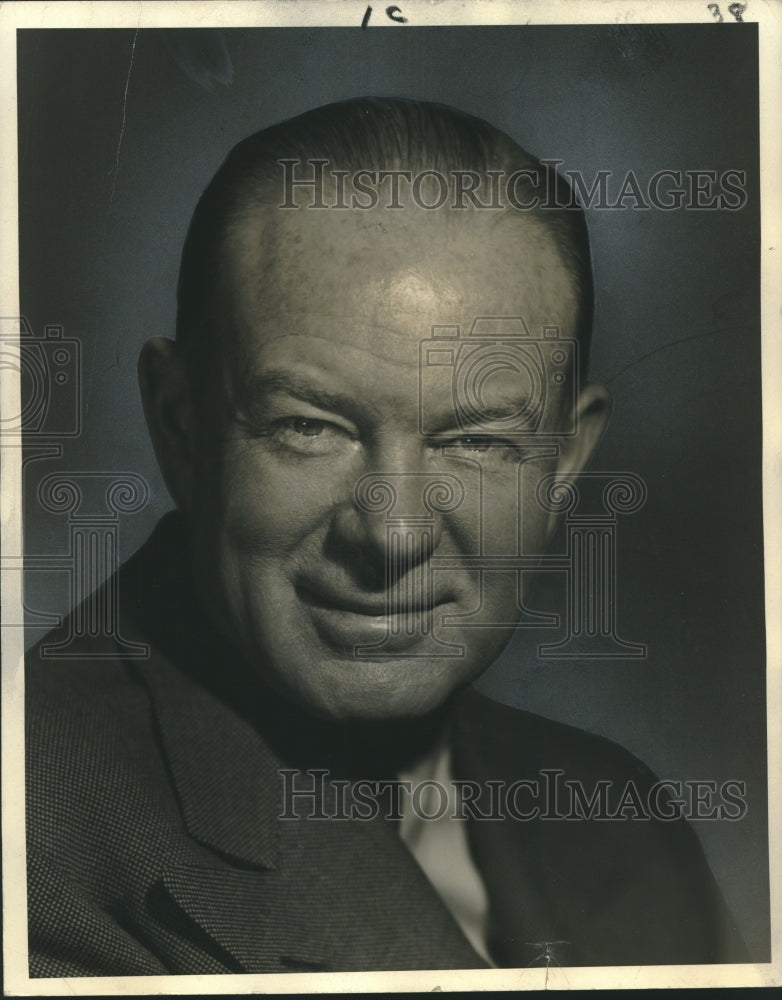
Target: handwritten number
{"x": 736, "y": 9}
{"x": 395, "y": 14}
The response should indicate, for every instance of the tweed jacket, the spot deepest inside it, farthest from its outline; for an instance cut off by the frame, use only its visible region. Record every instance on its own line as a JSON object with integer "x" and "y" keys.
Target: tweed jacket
{"x": 155, "y": 843}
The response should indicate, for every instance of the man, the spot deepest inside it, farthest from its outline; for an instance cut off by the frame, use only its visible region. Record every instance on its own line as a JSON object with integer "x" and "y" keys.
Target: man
{"x": 368, "y": 397}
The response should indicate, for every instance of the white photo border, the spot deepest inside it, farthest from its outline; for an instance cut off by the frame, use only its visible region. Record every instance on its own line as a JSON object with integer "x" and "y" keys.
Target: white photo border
{"x": 334, "y": 13}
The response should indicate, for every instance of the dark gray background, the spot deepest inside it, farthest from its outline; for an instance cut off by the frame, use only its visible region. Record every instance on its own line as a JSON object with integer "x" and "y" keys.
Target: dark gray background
{"x": 107, "y": 186}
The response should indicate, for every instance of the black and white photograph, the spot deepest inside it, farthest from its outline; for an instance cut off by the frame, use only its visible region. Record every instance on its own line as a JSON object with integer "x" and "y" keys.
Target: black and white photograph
{"x": 391, "y": 516}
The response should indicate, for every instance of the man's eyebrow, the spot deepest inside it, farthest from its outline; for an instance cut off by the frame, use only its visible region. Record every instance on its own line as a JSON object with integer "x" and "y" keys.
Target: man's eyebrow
{"x": 279, "y": 380}
{"x": 512, "y": 408}
{"x": 522, "y": 407}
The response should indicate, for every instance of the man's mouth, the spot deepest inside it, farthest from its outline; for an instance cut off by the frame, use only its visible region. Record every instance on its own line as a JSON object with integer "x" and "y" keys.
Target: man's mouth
{"x": 400, "y": 601}
{"x": 396, "y": 618}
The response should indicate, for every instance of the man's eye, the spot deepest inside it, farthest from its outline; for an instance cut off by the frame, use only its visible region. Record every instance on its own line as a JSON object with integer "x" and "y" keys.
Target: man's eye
{"x": 493, "y": 450}
{"x": 307, "y": 426}
{"x": 473, "y": 443}
{"x": 307, "y": 436}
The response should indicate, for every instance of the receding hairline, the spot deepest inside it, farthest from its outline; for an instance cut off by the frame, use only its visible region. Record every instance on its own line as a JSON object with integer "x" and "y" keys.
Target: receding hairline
{"x": 261, "y": 240}
{"x": 392, "y": 134}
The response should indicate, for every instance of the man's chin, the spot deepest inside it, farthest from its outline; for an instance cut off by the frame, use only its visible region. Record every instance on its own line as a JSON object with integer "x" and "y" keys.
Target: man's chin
{"x": 378, "y": 690}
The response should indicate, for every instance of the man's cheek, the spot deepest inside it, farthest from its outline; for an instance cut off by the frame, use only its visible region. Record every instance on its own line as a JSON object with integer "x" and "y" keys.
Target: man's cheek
{"x": 534, "y": 519}
{"x": 264, "y": 505}
{"x": 486, "y": 520}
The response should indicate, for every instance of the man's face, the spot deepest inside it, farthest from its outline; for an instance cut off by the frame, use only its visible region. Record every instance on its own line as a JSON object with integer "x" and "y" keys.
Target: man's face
{"x": 326, "y": 548}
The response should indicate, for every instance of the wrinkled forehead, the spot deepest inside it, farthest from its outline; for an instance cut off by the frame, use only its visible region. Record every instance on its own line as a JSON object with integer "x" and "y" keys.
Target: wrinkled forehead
{"x": 382, "y": 278}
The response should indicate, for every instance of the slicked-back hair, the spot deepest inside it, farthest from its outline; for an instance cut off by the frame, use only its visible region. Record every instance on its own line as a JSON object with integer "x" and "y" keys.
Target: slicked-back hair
{"x": 373, "y": 134}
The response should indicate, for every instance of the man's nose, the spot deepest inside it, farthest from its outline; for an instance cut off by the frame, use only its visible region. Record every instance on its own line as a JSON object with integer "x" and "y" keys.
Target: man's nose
{"x": 394, "y": 520}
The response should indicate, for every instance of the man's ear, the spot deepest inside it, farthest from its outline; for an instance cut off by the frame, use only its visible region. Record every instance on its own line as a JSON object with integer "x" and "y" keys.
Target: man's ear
{"x": 167, "y": 395}
{"x": 591, "y": 415}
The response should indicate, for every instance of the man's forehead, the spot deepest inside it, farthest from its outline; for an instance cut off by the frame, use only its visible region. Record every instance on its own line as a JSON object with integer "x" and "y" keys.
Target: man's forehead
{"x": 383, "y": 278}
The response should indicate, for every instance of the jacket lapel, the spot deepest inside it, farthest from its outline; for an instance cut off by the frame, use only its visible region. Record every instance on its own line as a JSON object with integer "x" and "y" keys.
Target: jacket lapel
{"x": 230, "y": 796}
{"x": 225, "y": 776}
{"x": 281, "y": 895}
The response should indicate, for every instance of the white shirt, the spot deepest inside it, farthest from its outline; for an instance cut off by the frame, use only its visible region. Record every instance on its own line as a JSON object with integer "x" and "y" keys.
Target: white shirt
{"x": 441, "y": 848}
